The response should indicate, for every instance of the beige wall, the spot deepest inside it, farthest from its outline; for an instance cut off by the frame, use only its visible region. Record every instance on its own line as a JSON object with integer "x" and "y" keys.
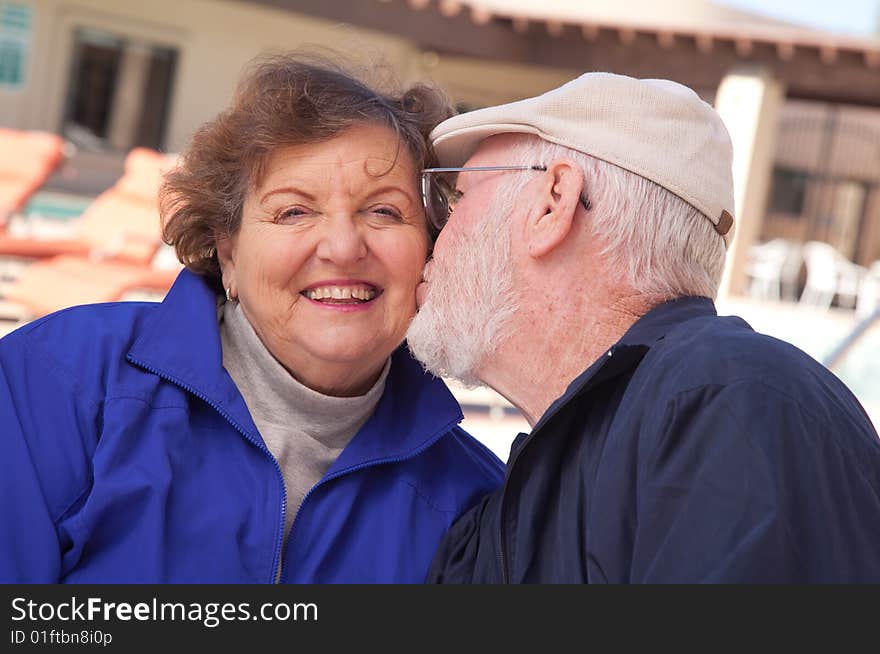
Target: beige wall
{"x": 214, "y": 38}
{"x": 480, "y": 82}
{"x": 851, "y": 154}
{"x": 854, "y": 150}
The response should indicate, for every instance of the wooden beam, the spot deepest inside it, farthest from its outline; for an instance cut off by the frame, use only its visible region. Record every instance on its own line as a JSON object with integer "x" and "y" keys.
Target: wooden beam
{"x": 744, "y": 47}
{"x": 785, "y": 51}
{"x": 626, "y": 36}
{"x": 520, "y": 25}
{"x": 555, "y": 28}
{"x": 705, "y": 43}
{"x": 805, "y": 75}
{"x": 449, "y": 8}
{"x": 700, "y": 61}
{"x": 480, "y": 15}
{"x": 666, "y": 40}
{"x": 459, "y": 34}
{"x": 589, "y": 31}
{"x": 828, "y": 55}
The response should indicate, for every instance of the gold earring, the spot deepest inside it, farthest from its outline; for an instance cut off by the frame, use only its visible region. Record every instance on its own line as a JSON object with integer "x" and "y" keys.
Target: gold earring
{"x": 229, "y": 294}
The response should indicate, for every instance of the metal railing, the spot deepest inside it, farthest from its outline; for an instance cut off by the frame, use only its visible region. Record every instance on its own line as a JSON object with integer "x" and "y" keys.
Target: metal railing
{"x": 850, "y": 340}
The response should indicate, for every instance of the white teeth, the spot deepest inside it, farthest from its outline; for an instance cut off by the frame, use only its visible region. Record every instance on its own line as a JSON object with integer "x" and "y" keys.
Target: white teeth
{"x": 341, "y": 293}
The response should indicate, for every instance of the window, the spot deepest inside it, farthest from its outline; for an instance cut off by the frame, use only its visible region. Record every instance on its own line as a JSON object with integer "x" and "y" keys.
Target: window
{"x": 788, "y": 191}
{"x": 119, "y": 91}
{"x": 15, "y": 32}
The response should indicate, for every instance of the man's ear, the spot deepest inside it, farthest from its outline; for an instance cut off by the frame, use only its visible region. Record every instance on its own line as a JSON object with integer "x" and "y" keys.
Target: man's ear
{"x": 559, "y": 193}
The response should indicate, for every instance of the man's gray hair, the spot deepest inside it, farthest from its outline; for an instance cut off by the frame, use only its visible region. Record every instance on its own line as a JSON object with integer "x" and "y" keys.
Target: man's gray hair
{"x": 658, "y": 242}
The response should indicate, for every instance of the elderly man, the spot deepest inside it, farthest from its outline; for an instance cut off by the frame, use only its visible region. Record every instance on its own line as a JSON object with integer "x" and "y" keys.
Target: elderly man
{"x": 586, "y": 238}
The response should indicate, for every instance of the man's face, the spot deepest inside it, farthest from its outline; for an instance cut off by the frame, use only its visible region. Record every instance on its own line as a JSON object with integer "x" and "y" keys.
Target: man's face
{"x": 469, "y": 293}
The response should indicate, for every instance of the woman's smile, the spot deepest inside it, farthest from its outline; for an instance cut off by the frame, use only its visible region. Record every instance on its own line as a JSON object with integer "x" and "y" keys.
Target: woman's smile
{"x": 343, "y": 295}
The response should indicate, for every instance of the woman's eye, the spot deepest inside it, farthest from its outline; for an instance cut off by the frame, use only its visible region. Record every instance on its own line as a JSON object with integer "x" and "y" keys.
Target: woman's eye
{"x": 290, "y": 214}
{"x": 387, "y": 211}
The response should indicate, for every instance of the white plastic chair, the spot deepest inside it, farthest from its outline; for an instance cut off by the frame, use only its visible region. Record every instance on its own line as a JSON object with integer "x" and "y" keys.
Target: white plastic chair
{"x": 869, "y": 292}
{"x": 774, "y": 268}
{"x": 830, "y": 275}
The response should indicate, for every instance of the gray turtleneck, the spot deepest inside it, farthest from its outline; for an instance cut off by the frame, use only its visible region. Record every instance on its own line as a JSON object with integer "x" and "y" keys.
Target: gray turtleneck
{"x": 304, "y": 430}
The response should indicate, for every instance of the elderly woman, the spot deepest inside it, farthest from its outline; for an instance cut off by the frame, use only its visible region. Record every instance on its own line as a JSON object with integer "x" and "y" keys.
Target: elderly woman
{"x": 263, "y": 423}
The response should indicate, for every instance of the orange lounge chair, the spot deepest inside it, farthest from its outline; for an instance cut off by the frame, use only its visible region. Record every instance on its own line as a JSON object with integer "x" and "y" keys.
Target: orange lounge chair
{"x": 26, "y": 161}
{"x": 67, "y": 280}
{"x": 121, "y": 224}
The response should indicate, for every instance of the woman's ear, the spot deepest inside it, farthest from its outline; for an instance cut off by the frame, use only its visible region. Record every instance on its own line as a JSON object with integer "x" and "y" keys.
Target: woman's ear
{"x": 558, "y": 200}
{"x": 226, "y": 257}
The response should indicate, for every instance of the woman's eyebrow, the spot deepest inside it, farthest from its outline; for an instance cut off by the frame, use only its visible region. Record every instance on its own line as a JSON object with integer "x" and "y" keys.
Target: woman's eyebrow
{"x": 287, "y": 190}
{"x": 392, "y": 187}
{"x": 294, "y": 190}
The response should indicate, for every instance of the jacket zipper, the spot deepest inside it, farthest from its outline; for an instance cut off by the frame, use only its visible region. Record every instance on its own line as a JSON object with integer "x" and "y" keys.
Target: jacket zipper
{"x": 369, "y": 464}
{"x": 276, "y": 561}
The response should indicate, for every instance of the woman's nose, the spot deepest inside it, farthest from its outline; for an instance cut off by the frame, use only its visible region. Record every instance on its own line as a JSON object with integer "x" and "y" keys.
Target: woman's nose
{"x": 342, "y": 241}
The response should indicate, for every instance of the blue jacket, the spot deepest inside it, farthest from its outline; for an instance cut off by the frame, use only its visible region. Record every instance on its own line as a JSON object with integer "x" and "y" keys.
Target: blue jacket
{"x": 127, "y": 454}
{"x": 694, "y": 450}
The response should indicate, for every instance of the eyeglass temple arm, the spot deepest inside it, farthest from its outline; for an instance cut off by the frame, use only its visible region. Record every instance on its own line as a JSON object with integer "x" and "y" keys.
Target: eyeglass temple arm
{"x": 460, "y": 170}
{"x": 584, "y": 200}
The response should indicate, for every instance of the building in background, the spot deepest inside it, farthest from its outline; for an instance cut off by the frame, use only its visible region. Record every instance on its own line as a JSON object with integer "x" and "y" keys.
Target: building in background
{"x": 826, "y": 178}
{"x": 802, "y": 105}
{"x": 114, "y": 74}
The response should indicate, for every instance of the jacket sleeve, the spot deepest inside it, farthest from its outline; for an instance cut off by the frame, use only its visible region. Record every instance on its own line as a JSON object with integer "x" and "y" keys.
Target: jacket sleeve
{"x": 742, "y": 484}
{"x": 44, "y": 465}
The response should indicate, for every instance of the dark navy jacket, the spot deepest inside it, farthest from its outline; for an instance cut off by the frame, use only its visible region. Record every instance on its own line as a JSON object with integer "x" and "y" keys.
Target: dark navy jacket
{"x": 694, "y": 450}
{"x": 127, "y": 454}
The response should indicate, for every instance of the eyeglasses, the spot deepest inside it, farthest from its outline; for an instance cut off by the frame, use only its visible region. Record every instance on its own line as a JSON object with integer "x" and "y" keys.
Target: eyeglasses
{"x": 439, "y": 195}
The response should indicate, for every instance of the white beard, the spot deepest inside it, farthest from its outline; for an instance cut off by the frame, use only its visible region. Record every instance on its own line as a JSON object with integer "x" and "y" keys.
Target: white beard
{"x": 470, "y": 298}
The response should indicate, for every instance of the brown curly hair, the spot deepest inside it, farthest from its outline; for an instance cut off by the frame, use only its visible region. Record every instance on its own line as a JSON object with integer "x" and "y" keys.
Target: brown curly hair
{"x": 282, "y": 100}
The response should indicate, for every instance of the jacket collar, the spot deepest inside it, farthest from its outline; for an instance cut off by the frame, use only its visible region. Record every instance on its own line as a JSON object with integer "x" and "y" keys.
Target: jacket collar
{"x": 628, "y": 352}
{"x": 660, "y": 320}
{"x": 180, "y": 341}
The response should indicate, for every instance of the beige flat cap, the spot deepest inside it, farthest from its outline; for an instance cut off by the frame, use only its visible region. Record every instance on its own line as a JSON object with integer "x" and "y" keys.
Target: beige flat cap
{"x": 657, "y": 129}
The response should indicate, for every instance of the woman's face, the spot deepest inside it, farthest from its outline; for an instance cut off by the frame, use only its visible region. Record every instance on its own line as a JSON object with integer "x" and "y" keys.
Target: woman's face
{"x": 328, "y": 256}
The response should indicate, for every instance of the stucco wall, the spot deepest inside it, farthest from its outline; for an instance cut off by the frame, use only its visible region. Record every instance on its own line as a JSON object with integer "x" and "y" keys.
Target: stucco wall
{"x": 214, "y": 38}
